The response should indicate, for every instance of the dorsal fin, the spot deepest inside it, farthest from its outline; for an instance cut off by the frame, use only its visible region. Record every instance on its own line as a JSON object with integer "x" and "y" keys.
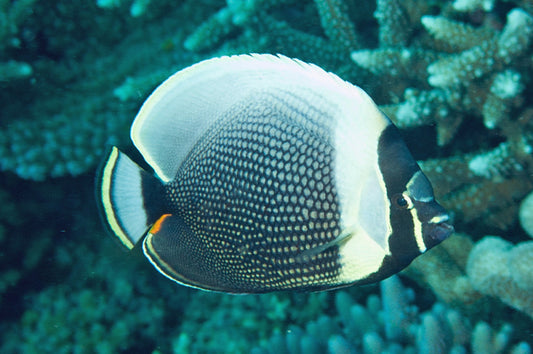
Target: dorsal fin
{"x": 183, "y": 107}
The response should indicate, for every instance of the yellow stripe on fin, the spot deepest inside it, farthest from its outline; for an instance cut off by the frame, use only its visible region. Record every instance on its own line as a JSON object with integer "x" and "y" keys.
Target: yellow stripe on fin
{"x": 120, "y": 190}
{"x": 106, "y": 200}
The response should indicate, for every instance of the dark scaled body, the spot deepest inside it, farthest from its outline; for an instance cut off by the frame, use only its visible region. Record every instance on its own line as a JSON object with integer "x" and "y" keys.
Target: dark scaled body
{"x": 266, "y": 202}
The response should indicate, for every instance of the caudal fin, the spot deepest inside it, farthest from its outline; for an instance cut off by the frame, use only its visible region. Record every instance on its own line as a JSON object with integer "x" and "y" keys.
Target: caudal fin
{"x": 130, "y": 198}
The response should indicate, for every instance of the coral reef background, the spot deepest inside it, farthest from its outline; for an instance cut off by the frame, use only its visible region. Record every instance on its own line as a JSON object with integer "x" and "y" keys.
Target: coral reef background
{"x": 455, "y": 76}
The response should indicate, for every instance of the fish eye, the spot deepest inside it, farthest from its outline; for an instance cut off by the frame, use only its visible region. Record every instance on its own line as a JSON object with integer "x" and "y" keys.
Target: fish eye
{"x": 402, "y": 201}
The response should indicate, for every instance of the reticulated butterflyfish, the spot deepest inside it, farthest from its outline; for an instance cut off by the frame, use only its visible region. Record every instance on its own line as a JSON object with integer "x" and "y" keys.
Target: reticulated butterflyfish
{"x": 268, "y": 174}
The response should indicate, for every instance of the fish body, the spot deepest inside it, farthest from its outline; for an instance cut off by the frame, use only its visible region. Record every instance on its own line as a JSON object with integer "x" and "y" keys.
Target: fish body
{"x": 269, "y": 174}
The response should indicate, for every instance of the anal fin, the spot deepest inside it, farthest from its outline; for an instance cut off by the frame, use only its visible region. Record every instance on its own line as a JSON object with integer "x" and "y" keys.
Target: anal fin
{"x": 180, "y": 255}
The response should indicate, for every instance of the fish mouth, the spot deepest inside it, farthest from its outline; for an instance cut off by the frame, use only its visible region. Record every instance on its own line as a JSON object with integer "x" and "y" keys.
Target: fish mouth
{"x": 439, "y": 228}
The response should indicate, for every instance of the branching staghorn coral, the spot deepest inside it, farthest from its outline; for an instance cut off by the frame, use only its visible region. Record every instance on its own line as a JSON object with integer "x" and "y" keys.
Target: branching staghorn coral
{"x": 464, "y": 82}
{"x": 96, "y": 311}
{"x": 393, "y": 324}
{"x": 241, "y": 322}
{"x": 321, "y": 31}
{"x": 236, "y": 16}
{"x": 459, "y": 73}
{"x": 443, "y": 270}
{"x": 59, "y": 123}
{"x": 488, "y": 186}
{"x": 498, "y": 268}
